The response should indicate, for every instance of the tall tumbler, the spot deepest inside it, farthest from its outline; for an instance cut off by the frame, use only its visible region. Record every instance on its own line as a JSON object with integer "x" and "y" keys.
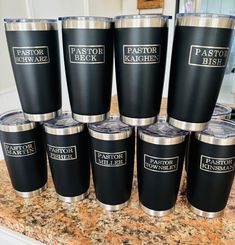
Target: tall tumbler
{"x": 160, "y": 159}
{"x": 34, "y": 52}
{"x": 88, "y": 55}
{"x": 140, "y": 55}
{"x": 201, "y": 48}
{"x": 68, "y": 154}
{"x": 222, "y": 112}
{"x": 211, "y": 168}
{"x": 112, "y": 161}
{"x": 24, "y": 152}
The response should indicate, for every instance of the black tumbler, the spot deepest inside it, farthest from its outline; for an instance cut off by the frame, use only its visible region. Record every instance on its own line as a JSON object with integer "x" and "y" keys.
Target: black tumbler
{"x": 140, "y": 56}
{"x": 211, "y": 168}
{"x": 222, "y": 112}
{"x": 160, "y": 158}
{"x": 88, "y": 55}
{"x": 201, "y": 49}
{"x": 34, "y": 52}
{"x": 68, "y": 154}
{"x": 112, "y": 161}
{"x": 24, "y": 152}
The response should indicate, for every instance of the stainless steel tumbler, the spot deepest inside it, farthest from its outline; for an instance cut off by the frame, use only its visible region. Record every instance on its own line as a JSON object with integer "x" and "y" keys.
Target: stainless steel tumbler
{"x": 24, "y": 152}
{"x": 88, "y": 55}
{"x": 211, "y": 168}
{"x": 68, "y": 154}
{"x": 222, "y": 112}
{"x": 112, "y": 160}
{"x": 201, "y": 49}
{"x": 34, "y": 52}
{"x": 140, "y": 55}
{"x": 160, "y": 158}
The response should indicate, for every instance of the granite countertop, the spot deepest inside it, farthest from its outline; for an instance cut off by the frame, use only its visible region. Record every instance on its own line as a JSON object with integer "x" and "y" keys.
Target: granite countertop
{"x": 51, "y": 221}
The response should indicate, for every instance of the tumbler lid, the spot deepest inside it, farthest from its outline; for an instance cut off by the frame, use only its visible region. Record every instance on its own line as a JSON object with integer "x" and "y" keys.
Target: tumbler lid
{"x": 205, "y": 20}
{"x": 221, "y": 112}
{"x": 14, "y": 121}
{"x": 86, "y": 22}
{"x": 218, "y": 132}
{"x": 63, "y": 125}
{"x": 162, "y": 133}
{"x": 30, "y": 24}
{"x": 142, "y": 20}
{"x": 110, "y": 129}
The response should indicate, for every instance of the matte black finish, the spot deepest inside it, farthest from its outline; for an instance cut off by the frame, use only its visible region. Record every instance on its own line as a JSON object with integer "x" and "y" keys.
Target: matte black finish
{"x": 27, "y": 172}
{"x": 157, "y": 189}
{"x": 38, "y": 85}
{"x": 208, "y": 191}
{"x": 70, "y": 170}
{"x": 113, "y": 184}
{"x": 89, "y": 84}
{"x": 139, "y": 86}
{"x": 193, "y": 90}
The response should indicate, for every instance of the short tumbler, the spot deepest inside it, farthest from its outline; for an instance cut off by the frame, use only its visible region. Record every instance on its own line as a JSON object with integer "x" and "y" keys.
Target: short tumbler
{"x": 34, "y": 51}
{"x": 160, "y": 158}
{"x": 211, "y": 168}
{"x": 68, "y": 154}
{"x": 140, "y": 55}
{"x": 24, "y": 152}
{"x": 88, "y": 55}
{"x": 201, "y": 48}
{"x": 112, "y": 160}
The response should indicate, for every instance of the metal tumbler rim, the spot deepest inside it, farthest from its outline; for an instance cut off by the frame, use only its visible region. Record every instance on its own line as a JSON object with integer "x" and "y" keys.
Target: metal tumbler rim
{"x": 211, "y": 139}
{"x": 15, "y": 128}
{"x": 86, "y": 22}
{"x": 139, "y": 21}
{"x": 205, "y": 20}
{"x": 25, "y": 24}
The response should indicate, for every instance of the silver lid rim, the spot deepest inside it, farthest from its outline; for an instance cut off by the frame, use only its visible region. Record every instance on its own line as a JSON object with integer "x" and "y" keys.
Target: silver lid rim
{"x": 112, "y": 136}
{"x": 161, "y": 140}
{"x": 64, "y": 131}
{"x": 140, "y": 22}
{"x": 86, "y": 22}
{"x": 213, "y": 140}
{"x": 16, "y": 128}
{"x": 205, "y": 20}
{"x": 30, "y": 24}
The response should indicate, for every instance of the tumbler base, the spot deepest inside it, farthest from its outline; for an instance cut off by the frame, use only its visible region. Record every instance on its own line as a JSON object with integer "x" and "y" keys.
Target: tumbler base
{"x": 206, "y": 214}
{"x": 188, "y": 126}
{"x": 89, "y": 118}
{"x": 42, "y": 117}
{"x": 112, "y": 207}
{"x": 138, "y": 121}
{"x": 31, "y": 193}
{"x": 156, "y": 213}
{"x": 75, "y": 198}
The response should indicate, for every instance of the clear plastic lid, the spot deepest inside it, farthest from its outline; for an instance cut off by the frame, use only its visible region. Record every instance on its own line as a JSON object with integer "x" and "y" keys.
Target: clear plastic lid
{"x": 14, "y": 121}
{"x": 65, "y": 120}
{"x": 63, "y": 124}
{"x": 22, "y": 20}
{"x": 110, "y": 129}
{"x": 218, "y": 132}
{"x": 220, "y": 129}
{"x": 221, "y": 110}
{"x": 99, "y": 18}
{"x": 206, "y": 15}
{"x": 162, "y": 129}
{"x": 142, "y": 16}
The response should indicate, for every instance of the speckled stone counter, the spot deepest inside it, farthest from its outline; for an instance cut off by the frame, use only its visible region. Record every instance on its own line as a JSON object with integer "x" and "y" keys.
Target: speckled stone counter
{"x": 51, "y": 221}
